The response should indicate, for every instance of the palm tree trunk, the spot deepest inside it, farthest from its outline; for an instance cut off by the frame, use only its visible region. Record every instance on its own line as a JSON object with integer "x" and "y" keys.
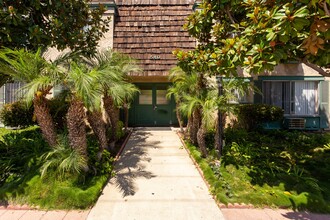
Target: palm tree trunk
{"x": 217, "y": 135}
{"x": 77, "y": 129}
{"x": 126, "y": 112}
{"x": 45, "y": 120}
{"x": 195, "y": 126}
{"x": 189, "y": 127}
{"x": 99, "y": 128}
{"x": 113, "y": 113}
{"x": 178, "y": 116}
{"x": 201, "y": 140}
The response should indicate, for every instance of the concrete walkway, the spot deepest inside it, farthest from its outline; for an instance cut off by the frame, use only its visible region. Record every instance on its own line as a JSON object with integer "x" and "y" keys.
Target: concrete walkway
{"x": 155, "y": 179}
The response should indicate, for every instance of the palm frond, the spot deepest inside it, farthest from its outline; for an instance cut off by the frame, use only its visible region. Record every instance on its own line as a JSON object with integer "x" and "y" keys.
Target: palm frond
{"x": 83, "y": 83}
{"x": 62, "y": 160}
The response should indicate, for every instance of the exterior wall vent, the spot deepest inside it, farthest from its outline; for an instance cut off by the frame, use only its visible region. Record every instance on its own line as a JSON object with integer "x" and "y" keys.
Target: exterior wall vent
{"x": 297, "y": 123}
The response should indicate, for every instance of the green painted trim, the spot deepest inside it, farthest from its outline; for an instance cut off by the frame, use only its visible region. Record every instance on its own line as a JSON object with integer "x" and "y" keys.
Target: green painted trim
{"x": 245, "y": 79}
{"x": 292, "y": 78}
{"x": 108, "y": 5}
{"x": 196, "y": 5}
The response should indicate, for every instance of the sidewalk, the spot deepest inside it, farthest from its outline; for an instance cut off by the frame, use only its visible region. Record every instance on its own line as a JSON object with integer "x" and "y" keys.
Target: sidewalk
{"x": 8, "y": 214}
{"x": 155, "y": 179}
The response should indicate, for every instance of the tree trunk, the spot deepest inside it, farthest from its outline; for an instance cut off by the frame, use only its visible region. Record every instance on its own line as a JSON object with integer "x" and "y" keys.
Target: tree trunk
{"x": 45, "y": 120}
{"x": 195, "y": 126}
{"x": 189, "y": 127}
{"x": 77, "y": 129}
{"x": 217, "y": 136}
{"x": 201, "y": 140}
{"x": 113, "y": 114}
{"x": 178, "y": 116}
{"x": 99, "y": 128}
{"x": 126, "y": 116}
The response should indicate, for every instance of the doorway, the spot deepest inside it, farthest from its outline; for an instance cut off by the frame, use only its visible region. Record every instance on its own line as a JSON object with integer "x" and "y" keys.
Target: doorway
{"x": 152, "y": 108}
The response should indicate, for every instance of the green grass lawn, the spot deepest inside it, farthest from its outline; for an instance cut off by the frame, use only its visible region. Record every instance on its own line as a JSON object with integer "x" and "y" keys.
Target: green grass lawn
{"x": 20, "y": 177}
{"x": 275, "y": 169}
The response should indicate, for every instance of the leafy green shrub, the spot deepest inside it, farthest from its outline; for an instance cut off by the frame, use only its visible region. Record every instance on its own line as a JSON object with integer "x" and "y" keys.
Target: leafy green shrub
{"x": 17, "y": 114}
{"x": 19, "y": 153}
{"x": 251, "y": 116}
{"x": 99, "y": 167}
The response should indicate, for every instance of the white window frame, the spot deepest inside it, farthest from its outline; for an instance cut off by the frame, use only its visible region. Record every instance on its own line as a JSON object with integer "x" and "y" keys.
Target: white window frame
{"x": 292, "y": 97}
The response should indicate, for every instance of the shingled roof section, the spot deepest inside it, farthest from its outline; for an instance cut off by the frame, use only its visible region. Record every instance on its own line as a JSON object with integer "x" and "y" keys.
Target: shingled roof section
{"x": 151, "y": 32}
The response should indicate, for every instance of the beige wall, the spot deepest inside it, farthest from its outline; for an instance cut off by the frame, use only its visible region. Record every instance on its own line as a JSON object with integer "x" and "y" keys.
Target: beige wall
{"x": 295, "y": 69}
{"x": 107, "y": 41}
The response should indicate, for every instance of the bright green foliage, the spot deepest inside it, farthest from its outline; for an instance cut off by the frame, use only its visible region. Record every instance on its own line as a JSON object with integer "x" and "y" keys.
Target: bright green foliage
{"x": 51, "y": 193}
{"x": 257, "y": 35}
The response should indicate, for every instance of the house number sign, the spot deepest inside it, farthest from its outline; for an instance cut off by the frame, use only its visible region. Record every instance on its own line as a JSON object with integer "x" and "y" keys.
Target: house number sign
{"x": 154, "y": 57}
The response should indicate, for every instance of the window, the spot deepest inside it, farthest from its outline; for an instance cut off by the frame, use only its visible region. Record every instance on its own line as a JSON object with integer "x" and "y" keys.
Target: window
{"x": 239, "y": 97}
{"x": 145, "y": 97}
{"x": 294, "y": 97}
{"x": 161, "y": 97}
{"x": 2, "y": 96}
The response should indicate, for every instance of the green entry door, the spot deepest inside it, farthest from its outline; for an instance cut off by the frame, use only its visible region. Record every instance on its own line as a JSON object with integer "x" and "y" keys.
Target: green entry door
{"x": 151, "y": 107}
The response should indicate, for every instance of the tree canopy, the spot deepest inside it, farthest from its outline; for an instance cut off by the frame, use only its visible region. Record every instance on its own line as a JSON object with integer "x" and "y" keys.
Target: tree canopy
{"x": 257, "y": 35}
{"x": 44, "y": 23}
{"x": 33, "y": 24}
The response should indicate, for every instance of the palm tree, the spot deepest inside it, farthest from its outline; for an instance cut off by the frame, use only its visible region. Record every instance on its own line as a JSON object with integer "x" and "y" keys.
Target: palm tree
{"x": 232, "y": 89}
{"x": 40, "y": 76}
{"x": 124, "y": 94}
{"x": 183, "y": 84}
{"x": 115, "y": 67}
{"x": 85, "y": 93}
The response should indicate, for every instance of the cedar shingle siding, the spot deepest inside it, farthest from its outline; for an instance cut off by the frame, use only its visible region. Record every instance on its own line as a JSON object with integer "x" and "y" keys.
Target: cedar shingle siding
{"x": 149, "y": 30}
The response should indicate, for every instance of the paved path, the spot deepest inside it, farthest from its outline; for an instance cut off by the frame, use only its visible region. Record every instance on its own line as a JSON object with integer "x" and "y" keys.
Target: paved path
{"x": 155, "y": 179}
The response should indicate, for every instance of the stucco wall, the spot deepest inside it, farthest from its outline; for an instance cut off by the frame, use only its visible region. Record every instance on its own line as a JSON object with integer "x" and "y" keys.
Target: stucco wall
{"x": 292, "y": 69}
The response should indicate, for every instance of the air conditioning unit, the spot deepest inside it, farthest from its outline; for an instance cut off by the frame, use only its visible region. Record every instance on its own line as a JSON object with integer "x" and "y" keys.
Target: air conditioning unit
{"x": 297, "y": 123}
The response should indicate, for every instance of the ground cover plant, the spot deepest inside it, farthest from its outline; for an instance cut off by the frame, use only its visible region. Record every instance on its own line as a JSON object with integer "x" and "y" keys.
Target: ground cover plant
{"x": 35, "y": 174}
{"x": 24, "y": 154}
{"x": 287, "y": 169}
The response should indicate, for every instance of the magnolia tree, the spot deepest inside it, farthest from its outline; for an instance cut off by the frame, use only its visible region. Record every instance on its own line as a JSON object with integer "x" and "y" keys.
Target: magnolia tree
{"x": 257, "y": 35}
{"x": 50, "y": 23}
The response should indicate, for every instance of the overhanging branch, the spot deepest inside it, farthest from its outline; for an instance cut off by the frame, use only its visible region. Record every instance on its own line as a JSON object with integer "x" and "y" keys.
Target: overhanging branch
{"x": 230, "y": 15}
{"x": 326, "y": 8}
{"x": 323, "y": 72}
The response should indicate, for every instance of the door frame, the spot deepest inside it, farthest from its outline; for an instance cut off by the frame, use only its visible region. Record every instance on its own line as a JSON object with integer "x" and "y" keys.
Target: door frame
{"x": 168, "y": 110}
